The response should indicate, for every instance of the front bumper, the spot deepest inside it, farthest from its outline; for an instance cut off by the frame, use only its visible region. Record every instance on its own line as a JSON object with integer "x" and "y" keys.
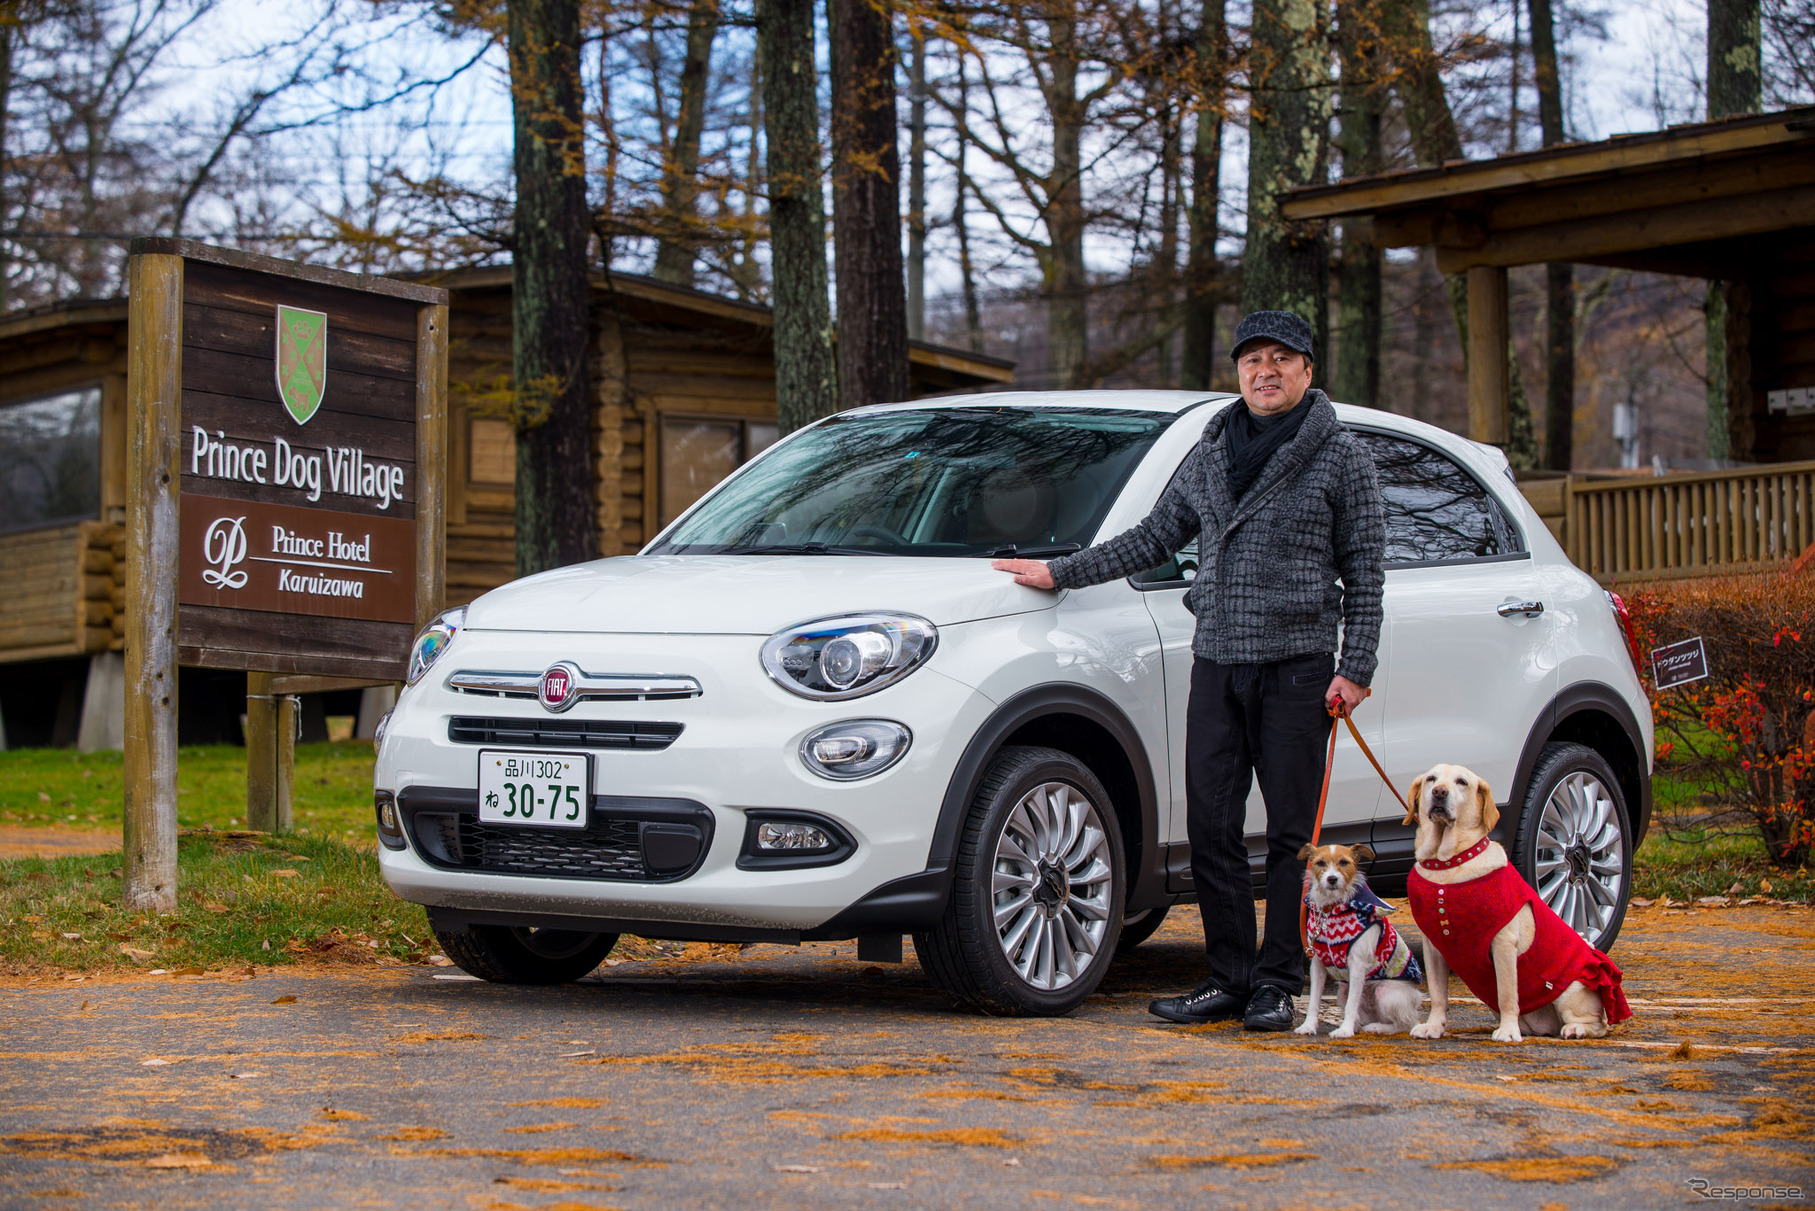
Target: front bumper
{"x": 737, "y": 753}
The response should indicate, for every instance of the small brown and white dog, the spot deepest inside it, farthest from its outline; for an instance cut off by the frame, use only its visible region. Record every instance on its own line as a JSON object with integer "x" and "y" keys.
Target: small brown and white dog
{"x": 1347, "y": 932}
{"x": 1482, "y": 920}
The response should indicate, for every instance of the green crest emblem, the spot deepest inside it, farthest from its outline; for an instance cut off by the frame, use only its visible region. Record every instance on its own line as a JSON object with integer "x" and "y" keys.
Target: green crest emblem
{"x": 302, "y": 360}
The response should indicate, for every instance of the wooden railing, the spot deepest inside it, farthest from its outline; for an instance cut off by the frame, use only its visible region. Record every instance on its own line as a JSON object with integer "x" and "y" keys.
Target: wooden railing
{"x": 1701, "y": 524}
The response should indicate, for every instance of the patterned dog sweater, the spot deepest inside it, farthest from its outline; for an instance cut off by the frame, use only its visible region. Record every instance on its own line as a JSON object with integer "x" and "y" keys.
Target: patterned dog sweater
{"x": 1332, "y": 932}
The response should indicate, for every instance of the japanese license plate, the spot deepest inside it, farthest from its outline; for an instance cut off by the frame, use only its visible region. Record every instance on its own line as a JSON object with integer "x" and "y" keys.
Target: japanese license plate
{"x": 538, "y": 787}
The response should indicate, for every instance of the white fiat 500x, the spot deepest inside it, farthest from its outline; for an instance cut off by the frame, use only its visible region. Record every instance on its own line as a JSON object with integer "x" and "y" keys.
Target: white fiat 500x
{"x": 810, "y": 709}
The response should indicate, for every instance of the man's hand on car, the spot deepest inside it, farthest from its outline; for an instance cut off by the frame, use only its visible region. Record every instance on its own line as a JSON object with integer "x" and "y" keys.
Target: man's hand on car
{"x": 1344, "y": 695}
{"x": 1031, "y": 572}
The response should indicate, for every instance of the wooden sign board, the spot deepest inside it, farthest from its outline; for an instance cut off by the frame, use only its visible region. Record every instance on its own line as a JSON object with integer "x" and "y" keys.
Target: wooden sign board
{"x": 1679, "y": 663}
{"x": 285, "y": 469}
{"x": 304, "y": 456}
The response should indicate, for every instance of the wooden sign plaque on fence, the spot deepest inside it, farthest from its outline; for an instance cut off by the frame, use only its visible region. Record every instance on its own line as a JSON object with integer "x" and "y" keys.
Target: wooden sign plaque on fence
{"x": 286, "y": 450}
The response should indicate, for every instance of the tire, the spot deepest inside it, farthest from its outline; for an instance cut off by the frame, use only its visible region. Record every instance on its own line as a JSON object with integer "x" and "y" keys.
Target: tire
{"x": 1574, "y": 841}
{"x": 507, "y": 954}
{"x": 1061, "y": 905}
{"x": 1140, "y": 927}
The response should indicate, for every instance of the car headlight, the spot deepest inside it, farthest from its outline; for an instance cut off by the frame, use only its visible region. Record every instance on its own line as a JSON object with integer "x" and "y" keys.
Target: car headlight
{"x": 850, "y": 655}
{"x": 432, "y": 642}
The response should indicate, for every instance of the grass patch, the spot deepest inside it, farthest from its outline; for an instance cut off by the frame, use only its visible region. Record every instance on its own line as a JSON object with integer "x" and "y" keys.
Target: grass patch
{"x": 245, "y": 900}
{"x": 1692, "y": 864}
{"x": 333, "y": 789}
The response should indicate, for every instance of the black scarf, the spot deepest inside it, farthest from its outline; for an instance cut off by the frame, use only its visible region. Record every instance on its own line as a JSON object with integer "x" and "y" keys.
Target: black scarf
{"x": 1253, "y": 439}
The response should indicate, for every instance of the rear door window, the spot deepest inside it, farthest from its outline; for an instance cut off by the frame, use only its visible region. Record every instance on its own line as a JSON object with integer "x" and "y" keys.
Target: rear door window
{"x": 1436, "y": 511}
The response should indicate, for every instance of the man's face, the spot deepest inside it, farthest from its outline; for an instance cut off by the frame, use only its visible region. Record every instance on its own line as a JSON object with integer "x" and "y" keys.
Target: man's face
{"x": 1273, "y": 377}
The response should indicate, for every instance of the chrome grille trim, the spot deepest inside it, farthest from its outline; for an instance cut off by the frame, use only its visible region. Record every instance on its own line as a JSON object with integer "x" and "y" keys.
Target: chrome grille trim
{"x": 630, "y": 687}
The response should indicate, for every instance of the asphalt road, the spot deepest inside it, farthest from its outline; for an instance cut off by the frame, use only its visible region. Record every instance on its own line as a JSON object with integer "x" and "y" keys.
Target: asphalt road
{"x": 789, "y": 1078}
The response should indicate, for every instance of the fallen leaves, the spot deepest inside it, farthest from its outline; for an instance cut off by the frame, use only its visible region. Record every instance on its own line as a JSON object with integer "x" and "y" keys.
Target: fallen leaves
{"x": 1539, "y": 1168}
{"x": 415, "y": 1134}
{"x": 181, "y": 1160}
{"x": 539, "y": 1128}
{"x": 286, "y": 999}
{"x": 439, "y": 1036}
{"x": 973, "y": 1137}
{"x": 137, "y": 955}
{"x": 343, "y": 1116}
{"x": 1231, "y": 1160}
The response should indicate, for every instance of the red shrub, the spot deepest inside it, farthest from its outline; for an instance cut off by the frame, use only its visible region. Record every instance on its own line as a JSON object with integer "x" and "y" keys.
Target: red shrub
{"x": 1748, "y": 730}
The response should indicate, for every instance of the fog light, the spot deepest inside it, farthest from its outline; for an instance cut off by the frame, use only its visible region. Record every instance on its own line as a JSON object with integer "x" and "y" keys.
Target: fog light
{"x": 854, "y": 749}
{"x": 790, "y": 835}
{"x": 390, "y": 824}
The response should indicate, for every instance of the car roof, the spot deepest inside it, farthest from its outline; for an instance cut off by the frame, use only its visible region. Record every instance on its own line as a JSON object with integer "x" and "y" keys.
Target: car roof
{"x": 1179, "y": 402}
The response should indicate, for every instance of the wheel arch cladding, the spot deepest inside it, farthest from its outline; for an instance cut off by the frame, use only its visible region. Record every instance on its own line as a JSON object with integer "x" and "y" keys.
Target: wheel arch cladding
{"x": 1085, "y": 724}
{"x": 1597, "y": 717}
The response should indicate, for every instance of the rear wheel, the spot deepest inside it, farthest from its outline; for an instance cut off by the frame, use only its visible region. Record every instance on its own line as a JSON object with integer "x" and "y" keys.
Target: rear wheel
{"x": 508, "y": 954}
{"x": 1574, "y": 842}
{"x": 1036, "y": 906}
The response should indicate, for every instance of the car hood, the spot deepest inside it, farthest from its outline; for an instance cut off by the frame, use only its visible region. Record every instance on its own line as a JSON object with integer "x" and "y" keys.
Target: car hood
{"x": 747, "y": 594}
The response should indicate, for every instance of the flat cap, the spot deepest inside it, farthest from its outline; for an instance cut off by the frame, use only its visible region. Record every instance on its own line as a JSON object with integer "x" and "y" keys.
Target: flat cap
{"x": 1285, "y": 327}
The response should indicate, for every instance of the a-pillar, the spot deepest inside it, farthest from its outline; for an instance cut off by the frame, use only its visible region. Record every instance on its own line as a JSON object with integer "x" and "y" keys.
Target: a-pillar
{"x": 1489, "y": 383}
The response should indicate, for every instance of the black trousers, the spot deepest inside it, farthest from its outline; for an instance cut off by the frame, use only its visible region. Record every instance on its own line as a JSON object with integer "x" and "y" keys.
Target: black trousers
{"x": 1245, "y": 720}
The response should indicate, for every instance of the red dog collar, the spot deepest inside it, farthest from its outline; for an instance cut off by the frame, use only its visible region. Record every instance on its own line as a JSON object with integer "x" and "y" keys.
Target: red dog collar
{"x": 1472, "y": 851}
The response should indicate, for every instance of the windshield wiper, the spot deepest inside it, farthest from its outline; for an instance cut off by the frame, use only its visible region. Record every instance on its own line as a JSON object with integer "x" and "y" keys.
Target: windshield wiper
{"x": 804, "y": 548}
{"x": 1011, "y": 551}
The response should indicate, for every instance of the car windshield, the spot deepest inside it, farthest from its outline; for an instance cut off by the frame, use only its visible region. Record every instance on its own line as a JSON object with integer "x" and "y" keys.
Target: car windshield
{"x": 945, "y": 481}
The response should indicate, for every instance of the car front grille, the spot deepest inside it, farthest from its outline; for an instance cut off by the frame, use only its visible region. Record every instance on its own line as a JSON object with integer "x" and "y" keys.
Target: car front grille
{"x": 563, "y": 733}
{"x": 627, "y": 839}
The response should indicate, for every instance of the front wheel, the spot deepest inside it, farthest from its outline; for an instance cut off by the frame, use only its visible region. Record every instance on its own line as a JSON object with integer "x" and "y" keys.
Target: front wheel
{"x": 506, "y": 954}
{"x": 1036, "y": 906}
{"x": 1574, "y": 842}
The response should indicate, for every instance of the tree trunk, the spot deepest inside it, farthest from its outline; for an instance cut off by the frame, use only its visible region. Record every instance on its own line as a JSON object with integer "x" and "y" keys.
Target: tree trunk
{"x": 973, "y": 312}
{"x": 1734, "y": 87}
{"x": 9, "y": 19}
{"x": 1286, "y": 266}
{"x": 1434, "y": 137}
{"x": 614, "y": 148}
{"x": 1559, "y": 281}
{"x": 1066, "y": 282}
{"x": 1165, "y": 264}
{"x": 866, "y": 206}
{"x": 680, "y": 170}
{"x": 549, "y": 288}
{"x": 1209, "y": 75}
{"x": 1358, "y": 290}
{"x": 916, "y": 217}
{"x": 806, "y": 379}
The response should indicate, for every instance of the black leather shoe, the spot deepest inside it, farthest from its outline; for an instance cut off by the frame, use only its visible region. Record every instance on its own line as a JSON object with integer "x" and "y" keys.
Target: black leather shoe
{"x": 1207, "y": 1003}
{"x": 1268, "y": 1009}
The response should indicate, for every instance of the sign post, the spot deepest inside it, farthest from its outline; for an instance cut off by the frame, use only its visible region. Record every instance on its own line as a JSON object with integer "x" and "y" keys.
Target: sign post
{"x": 286, "y": 469}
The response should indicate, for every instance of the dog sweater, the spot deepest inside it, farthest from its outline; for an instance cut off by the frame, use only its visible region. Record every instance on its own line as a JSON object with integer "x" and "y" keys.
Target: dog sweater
{"x": 1332, "y": 932}
{"x": 1461, "y": 919}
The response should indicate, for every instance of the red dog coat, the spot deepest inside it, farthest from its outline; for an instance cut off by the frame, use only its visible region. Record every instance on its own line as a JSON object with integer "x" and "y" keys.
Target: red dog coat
{"x": 1461, "y": 919}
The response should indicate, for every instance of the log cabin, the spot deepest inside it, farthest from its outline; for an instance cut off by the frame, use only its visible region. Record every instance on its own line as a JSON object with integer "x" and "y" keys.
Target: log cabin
{"x": 683, "y": 385}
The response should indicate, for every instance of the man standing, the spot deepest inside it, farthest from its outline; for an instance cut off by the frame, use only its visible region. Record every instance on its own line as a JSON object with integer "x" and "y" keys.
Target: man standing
{"x": 1287, "y": 504}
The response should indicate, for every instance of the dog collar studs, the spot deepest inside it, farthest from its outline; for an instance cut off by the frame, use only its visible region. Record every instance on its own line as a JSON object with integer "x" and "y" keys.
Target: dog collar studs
{"x": 1473, "y": 851}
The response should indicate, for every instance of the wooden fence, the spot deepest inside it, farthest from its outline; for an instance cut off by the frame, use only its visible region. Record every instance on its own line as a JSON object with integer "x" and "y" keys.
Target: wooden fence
{"x": 1621, "y": 530}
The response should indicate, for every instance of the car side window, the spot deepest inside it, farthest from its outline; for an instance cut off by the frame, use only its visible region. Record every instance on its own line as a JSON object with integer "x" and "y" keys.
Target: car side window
{"x": 1436, "y": 512}
{"x": 1180, "y": 570}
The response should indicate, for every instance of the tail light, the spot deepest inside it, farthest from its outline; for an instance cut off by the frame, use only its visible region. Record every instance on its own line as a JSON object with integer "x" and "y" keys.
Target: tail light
{"x": 1624, "y": 616}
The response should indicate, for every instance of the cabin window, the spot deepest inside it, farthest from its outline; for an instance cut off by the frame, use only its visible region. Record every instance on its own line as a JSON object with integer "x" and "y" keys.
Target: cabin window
{"x": 50, "y": 459}
{"x": 697, "y": 453}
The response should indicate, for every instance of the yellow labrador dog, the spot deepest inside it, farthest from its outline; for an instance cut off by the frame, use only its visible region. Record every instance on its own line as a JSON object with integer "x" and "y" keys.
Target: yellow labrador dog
{"x": 1484, "y": 922}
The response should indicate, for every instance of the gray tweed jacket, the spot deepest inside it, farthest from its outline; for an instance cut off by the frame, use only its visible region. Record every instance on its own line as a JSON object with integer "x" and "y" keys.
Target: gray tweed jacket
{"x": 1266, "y": 586}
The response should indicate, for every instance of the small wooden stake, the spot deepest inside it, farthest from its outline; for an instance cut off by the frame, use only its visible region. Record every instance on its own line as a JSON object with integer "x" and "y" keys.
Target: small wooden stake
{"x": 154, "y": 425}
{"x": 261, "y": 753}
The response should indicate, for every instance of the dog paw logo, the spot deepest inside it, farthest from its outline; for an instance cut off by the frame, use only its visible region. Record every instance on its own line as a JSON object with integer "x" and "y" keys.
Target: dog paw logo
{"x": 224, "y": 547}
{"x": 302, "y": 360}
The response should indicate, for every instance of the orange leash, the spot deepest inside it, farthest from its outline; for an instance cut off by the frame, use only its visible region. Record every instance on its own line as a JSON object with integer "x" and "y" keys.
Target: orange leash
{"x": 1340, "y": 713}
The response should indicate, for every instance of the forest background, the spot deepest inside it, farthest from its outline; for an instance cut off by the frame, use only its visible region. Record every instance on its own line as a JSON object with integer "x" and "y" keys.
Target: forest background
{"x": 1084, "y": 186}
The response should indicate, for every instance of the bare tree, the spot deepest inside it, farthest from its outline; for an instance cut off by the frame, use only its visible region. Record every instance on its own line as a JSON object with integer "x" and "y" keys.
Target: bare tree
{"x": 866, "y": 206}
{"x": 680, "y": 165}
{"x": 1208, "y": 79}
{"x": 550, "y": 295}
{"x": 1285, "y": 265}
{"x": 1559, "y": 276}
{"x": 1735, "y": 86}
{"x": 1358, "y": 291}
{"x": 806, "y": 382}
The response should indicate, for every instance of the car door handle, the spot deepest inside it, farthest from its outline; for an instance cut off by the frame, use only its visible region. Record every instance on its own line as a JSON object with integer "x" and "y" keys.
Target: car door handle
{"x": 1530, "y": 609}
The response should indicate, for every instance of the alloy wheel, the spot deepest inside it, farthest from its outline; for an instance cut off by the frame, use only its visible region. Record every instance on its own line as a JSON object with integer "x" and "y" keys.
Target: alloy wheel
{"x": 1580, "y": 854}
{"x": 1052, "y": 883}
